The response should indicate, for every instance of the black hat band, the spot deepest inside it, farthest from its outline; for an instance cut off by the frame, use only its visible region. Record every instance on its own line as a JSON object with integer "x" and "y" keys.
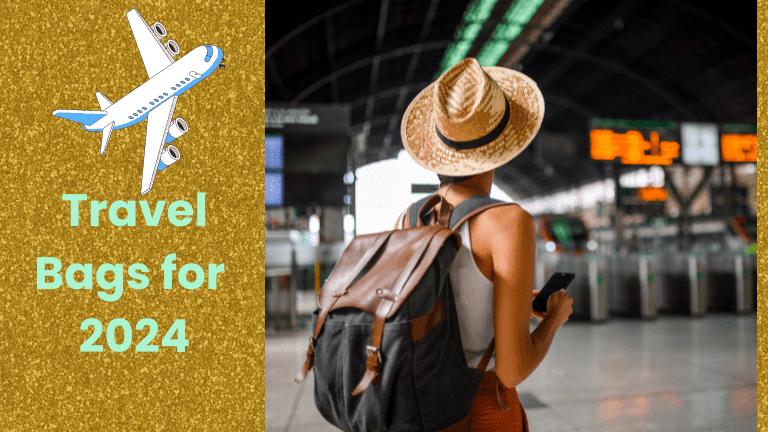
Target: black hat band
{"x": 483, "y": 140}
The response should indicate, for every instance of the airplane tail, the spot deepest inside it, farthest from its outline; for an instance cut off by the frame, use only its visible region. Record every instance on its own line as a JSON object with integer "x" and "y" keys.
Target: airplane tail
{"x": 82, "y": 117}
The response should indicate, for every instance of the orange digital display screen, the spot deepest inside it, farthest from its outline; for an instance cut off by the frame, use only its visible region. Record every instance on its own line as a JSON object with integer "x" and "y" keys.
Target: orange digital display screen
{"x": 652, "y": 194}
{"x": 738, "y": 147}
{"x": 632, "y": 147}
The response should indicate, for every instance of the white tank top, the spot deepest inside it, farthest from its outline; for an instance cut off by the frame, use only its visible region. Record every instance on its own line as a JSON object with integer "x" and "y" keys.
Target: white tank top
{"x": 474, "y": 301}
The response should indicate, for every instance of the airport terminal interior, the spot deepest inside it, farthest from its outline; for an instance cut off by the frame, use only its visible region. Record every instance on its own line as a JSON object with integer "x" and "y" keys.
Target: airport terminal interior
{"x": 642, "y": 181}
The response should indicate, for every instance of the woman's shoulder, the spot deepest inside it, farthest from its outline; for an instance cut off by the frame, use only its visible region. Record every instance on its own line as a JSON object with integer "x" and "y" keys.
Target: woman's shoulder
{"x": 508, "y": 216}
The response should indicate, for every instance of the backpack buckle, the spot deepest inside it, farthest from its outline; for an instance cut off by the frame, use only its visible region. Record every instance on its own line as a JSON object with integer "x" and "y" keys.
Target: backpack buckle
{"x": 373, "y": 351}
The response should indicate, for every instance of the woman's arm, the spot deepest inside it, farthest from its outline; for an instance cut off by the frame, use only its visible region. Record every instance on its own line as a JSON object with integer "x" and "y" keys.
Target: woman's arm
{"x": 509, "y": 234}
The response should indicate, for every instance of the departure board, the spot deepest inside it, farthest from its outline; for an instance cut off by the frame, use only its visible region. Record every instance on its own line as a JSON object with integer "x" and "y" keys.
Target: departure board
{"x": 635, "y": 142}
{"x": 738, "y": 143}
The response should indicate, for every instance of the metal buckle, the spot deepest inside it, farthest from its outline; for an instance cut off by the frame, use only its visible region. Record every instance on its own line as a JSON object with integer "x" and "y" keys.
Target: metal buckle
{"x": 373, "y": 350}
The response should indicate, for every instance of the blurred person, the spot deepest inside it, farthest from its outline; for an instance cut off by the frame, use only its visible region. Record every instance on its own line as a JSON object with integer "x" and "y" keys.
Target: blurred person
{"x": 463, "y": 126}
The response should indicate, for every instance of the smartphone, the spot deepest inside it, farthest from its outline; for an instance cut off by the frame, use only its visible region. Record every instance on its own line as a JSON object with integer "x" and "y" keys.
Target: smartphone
{"x": 557, "y": 282}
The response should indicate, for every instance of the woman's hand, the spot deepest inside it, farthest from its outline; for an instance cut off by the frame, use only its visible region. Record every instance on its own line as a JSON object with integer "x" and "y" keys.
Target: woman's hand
{"x": 560, "y": 306}
{"x": 538, "y": 315}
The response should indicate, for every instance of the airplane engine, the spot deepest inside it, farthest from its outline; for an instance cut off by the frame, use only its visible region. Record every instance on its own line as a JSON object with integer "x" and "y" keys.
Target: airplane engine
{"x": 159, "y": 30}
{"x": 170, "y": 155}
{"x": 178, "y": 128}
{"x": 172, "y": 47}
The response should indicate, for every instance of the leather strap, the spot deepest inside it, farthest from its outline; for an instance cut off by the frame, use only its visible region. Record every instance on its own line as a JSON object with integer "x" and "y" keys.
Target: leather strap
{"x": 307, "y": 363}
{"x": 432, "y": 201}
{"x": 422, "y": 325}
{"x": 385, "y": 305}
{"x": 369, "y": 254}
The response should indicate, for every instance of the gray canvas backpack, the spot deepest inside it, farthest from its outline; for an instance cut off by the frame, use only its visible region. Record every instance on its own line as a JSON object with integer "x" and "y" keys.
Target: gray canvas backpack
{"x": 386, "y": 347}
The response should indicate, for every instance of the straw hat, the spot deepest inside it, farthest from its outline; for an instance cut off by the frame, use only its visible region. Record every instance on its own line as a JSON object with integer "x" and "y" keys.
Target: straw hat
{"x": 472, "y": 119}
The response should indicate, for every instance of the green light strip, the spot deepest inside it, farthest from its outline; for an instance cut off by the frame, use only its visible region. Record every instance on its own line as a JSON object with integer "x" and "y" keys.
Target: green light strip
{"x": 632, "y": 124}
{"x": 478, "y": 13}
{"x": 518, "y": 15}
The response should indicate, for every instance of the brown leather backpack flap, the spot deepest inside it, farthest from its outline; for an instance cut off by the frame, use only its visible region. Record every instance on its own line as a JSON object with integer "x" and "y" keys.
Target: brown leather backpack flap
{"x": 387, "y": 274}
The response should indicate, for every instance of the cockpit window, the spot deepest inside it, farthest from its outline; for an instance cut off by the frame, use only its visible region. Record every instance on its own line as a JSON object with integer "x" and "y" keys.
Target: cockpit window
{"x": 209, "y": 53}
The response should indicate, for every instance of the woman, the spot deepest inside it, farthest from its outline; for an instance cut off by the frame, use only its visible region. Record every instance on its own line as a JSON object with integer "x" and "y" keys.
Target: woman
{"x": 465, "y": 125}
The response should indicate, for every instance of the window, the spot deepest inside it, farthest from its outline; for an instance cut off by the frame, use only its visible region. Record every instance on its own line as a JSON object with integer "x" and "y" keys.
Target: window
{"x": 173, "y": 88}
{"x": 166, "y": 94}
{"x": 273, "y": 164}
{"x": 130, "y": 117}
{"x": 187, "y": 79}
{"x": 144, "y": 108}
{"x": 151, "y": 103}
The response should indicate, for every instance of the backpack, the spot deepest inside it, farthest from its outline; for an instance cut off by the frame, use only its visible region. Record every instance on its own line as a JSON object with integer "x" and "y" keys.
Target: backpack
{"x": 386, "y": 347}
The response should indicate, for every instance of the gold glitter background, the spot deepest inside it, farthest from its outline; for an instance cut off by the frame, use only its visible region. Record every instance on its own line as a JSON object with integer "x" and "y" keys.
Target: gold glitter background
{"x": 56, "y": 56}
{"x": 762, "y": 190}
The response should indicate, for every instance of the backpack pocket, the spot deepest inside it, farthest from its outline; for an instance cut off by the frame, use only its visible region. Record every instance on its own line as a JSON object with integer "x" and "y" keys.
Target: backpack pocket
{"x": 386, "y": 405}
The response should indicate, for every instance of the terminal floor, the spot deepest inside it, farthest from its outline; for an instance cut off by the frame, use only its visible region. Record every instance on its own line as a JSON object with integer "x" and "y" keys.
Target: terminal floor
{"x": 670, "y": 374}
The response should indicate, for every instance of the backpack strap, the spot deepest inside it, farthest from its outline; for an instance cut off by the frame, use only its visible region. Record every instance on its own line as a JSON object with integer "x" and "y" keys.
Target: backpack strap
{"x": 401, "y": 219}
{"x": 486, "y": 357}
{"x": 467, "y": 209}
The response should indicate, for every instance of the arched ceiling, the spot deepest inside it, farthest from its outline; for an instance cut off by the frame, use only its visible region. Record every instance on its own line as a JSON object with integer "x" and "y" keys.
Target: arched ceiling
{"x": 654, "y": 60}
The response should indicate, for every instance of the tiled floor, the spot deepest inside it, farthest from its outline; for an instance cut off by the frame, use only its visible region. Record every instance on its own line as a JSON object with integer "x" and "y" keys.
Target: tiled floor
{"x": 671, "y": 374}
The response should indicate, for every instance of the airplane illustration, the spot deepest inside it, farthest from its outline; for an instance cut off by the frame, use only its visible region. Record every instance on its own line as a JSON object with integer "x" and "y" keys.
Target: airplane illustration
{"x": 154, "y": 100}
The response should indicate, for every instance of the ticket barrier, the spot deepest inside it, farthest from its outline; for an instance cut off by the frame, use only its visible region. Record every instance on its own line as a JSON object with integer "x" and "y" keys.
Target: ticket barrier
{"x": 683, "y": 287}
{"x": 588, "y": 288}
{"x": 633, "y": 286}
{"x": 730, "y": 286}
{"x": 752, "y": 270}
{"x": 280, "y": 282}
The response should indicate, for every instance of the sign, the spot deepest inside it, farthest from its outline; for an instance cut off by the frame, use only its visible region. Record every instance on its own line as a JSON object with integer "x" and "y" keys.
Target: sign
{"x": 700, "y": 144}
{"x": 635, "y": 142}
{"x": 309, "y": 119}
{"x": 652, "y": 194}
{"x": 646, "y": 200}
{"x": 739, "y": 147}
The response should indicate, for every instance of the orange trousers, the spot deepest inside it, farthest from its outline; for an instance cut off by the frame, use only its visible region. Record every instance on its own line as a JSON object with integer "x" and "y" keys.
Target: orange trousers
{"x": 487, "y": 414}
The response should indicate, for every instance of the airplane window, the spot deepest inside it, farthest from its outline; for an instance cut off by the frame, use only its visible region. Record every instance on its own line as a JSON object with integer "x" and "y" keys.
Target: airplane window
{"x": 156, "y": 100}
{"x": 165, "y": 93}
{"x": 144, "y": 108}
{"x": 161, "y": 97}
{"x": 187, "y": 79}
{"x": 130, "y": 117}
{"x": 173, "y": 88}
{"x": 151, "y": 103}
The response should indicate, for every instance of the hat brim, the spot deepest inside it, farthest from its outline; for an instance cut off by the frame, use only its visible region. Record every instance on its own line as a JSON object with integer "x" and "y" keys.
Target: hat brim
{"x": 526, "y": 114}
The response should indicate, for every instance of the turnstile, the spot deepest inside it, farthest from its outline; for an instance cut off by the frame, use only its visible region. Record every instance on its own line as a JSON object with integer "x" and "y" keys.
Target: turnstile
{"x": 683, "y": 285}
{"x": 633, "y": 286}
{"x": 588, "y": 288}
{"x": 730, "y": 282}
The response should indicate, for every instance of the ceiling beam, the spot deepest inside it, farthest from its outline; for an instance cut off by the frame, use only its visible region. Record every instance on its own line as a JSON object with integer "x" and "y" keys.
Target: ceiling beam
{"x": 300, "y": 29}
{"x": 397, "y": 52}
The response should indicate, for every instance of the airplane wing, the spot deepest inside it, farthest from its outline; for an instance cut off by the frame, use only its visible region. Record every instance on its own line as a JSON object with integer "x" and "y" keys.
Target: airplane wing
{"x": 153, "y": 52}
{"x": 158, "y": 122}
